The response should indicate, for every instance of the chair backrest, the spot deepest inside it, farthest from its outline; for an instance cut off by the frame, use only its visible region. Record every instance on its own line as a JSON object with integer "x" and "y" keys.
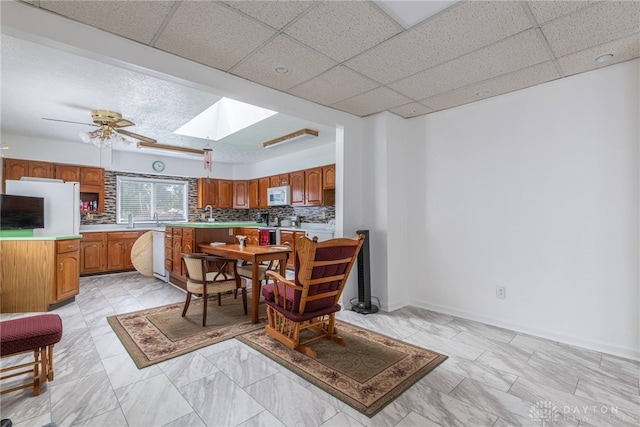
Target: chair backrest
{"x": 322, "y": 269}
{"x": 198, "y": 265}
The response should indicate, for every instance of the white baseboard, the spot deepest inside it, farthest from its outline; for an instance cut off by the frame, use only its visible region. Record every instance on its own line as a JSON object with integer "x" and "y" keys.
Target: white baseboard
{"x": 603, "y": 347}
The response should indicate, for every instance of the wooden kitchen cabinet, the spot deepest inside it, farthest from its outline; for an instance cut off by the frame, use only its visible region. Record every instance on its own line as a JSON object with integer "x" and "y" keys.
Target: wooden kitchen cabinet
{"x": 240, "y": 195}
{"x": 329, "y": 177}
{"x": 296, "y": 181}
{"x": 225, "y": 194}
{"x": 207, "y": 192}
{"x": 119, "y": 244}
{"x": 92, "y": 253}
{"x": 67, "y": 173}
{"x": 91, "y": 176}
{"x": 15, "y": 169}
{"x": 274, "y": 181}
{"x": 263, "y": 186}
{"x": 38, "y": 275}
{"x": 251, "y": 233}
{"x": 288, "y": 238}
{"x": 284, "y": 179}
{"x": 68, "y": 269}
{"x": 313, "y": 187}
{"x": 254, "y": 194}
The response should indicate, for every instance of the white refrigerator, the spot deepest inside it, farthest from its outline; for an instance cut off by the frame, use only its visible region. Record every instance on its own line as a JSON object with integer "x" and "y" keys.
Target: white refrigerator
{"x": 61, "y": 204}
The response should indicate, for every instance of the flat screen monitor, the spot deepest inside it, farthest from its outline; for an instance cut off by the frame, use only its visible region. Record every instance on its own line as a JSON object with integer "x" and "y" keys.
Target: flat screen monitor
{"x": 21, "y": 212}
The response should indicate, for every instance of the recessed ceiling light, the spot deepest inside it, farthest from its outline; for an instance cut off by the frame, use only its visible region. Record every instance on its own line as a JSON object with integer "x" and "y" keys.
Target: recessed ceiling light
{"x": 281, "y": 70}
{"x": 604, "y": 58}
{"x": 482, "y": 93}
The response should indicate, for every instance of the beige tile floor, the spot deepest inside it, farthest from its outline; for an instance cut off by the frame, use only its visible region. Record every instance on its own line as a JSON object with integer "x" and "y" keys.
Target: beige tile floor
{"x": 493, "y": 377}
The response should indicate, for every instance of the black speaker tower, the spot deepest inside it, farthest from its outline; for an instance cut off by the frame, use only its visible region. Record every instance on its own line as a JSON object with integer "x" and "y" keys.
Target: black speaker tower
{"x": 364, "y": 306}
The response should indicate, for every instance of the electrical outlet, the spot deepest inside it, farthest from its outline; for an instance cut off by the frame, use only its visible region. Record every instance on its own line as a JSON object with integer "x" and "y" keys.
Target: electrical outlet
{"x": 501, "y": 292}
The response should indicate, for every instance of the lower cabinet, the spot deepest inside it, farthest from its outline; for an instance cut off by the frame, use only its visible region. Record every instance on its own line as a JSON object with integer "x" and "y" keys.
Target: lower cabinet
{"x": 107, "y": 252}
{"x": 251, "y": 233}
{"x": 38, "y": 275}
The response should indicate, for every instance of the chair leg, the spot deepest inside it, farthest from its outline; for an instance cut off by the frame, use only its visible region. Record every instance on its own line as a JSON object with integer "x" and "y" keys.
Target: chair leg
{"x": 50, "y": 359}
{"x": 186, "y": 304}
{"x": 205, "y": 300}
{"x": 244, "y": 299}
{"x": 219, "y": 299}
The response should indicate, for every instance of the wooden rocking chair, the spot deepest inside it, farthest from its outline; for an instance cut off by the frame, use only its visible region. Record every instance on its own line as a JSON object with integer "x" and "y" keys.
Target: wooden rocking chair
{"x": 311, "y": 300}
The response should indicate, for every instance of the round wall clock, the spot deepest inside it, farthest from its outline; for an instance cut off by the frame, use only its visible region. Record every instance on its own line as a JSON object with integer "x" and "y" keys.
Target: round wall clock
{"x": 158, "y": 166}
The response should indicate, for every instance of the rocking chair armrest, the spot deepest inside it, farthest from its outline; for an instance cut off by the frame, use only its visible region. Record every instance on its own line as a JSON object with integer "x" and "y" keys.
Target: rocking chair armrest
{"x": 276, "y": 276}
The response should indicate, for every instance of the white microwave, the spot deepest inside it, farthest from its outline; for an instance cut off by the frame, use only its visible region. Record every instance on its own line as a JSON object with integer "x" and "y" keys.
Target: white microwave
{"x": 279, "y": 196}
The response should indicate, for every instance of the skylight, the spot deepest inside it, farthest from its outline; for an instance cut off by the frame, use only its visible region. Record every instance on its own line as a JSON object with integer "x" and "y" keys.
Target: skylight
{"x": 224, "y": 118}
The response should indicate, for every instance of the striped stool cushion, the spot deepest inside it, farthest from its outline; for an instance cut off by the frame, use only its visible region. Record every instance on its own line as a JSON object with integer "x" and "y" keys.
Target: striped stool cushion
{"x": 29, "y": 333}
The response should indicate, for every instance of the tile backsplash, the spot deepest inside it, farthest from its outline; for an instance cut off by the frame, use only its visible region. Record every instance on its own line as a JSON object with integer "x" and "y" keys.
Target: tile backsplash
{"x": 306, "y": 213}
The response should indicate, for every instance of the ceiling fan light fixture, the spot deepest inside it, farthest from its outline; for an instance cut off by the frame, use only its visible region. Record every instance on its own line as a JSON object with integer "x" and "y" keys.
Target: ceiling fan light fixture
{"x": 290, "y": 137}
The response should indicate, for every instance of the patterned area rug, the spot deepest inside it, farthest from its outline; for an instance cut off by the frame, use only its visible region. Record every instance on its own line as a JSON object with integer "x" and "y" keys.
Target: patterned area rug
{"x": 367, "y": 374}
{"x": 161, "y": 333}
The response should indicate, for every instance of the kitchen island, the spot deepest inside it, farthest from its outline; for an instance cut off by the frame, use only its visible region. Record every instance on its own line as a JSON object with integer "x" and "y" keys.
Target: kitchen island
{"x": 185, "y": 237}
{"x": 38, "y": 273}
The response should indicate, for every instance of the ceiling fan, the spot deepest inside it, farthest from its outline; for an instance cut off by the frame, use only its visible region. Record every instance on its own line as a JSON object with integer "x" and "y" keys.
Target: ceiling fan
{"x": 109, "y": 125}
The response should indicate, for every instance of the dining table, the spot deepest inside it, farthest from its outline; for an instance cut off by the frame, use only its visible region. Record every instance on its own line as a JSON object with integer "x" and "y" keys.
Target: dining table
{"x": 255, "y": 254}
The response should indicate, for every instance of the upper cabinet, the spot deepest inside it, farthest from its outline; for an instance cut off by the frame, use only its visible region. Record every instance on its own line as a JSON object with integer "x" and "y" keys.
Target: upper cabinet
{"x": 313, "y": 187}
{"x": 225, "y": 194}
{"x": 296, "y": 181}
{"x": 329, "y": 177}
{"x": 207, "y": 192}
{"x": 91, "y": 176}
{"x": 254, "y": 194}
{"x": 16, "y": 168}
{"x": 68, "y": 173}
{"x": 263, "y": 185}
{"x": 240, "y": 194}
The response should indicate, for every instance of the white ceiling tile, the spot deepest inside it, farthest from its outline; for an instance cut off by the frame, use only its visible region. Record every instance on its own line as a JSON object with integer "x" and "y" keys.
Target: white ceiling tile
{"x": 623, "y": 50}
{"x": 377, "y": 100}
{"x": 546, "y": 10}
{"x": 508, "y": 83}
{"x": 519, "y": 51}
{"x": 212, "y": 34}
{"x": 303, "y": 64}
{"x": 456, "y": 32}
{"x": 602, "y": 23}
{"x": 135, "y": 20}
{"x": 335, "y": 85}
{"x": 342, "y": 29}
{"x": 413, "y": 109}
{"x": 274, "y": 13}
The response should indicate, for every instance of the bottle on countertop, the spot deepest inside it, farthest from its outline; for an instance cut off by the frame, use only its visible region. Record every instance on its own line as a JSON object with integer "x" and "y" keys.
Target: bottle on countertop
{"x": 275, "y": 222}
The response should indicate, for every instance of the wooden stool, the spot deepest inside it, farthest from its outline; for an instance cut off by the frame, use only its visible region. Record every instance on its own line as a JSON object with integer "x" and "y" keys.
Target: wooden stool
{"x": 35, "y": 334}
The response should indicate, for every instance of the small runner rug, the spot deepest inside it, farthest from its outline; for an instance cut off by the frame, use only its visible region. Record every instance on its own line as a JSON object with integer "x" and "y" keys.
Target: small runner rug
{"x": 161, "y": 333}
{"x": 367, "y": 374}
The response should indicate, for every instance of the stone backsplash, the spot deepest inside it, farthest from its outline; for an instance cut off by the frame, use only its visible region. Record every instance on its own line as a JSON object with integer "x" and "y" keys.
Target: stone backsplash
{"x": 305, "y": 213}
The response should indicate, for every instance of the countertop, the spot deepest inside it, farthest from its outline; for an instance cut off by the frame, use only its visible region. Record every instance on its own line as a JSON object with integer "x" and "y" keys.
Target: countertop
{"x": 69, "y": 237}
{"x": 220, "y": 224}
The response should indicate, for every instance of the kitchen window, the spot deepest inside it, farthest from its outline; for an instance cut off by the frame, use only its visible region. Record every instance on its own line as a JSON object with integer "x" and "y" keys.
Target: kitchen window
{"x": 148, "y": 200}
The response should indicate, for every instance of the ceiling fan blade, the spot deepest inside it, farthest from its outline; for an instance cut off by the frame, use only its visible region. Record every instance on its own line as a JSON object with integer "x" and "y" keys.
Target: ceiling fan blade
{"x": 68, "y": 121}
{"x": 136, "y": 136}
{"x": 170, "y": 148}
{"x": 122, "y": 123}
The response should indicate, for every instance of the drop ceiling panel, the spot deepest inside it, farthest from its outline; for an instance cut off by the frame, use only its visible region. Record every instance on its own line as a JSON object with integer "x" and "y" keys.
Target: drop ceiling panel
{"x": 519, "y": 51}
{"x": 462, "y": 29}
{"x": 212, "y": 34}
{"x": 343, "y": 29}
{"x": 517, "y": 80}
{"x": 545, "y": 10}
{"x": 413, "y": 109}
{"x": 602, "y": 23}
{"x": 377, "y": 100}
{"x": 301, "y": 62}
{"x": 335, "y": 85}
{"x": 623, "y": 50}
{"x": 134, "y": 20}
{"x": 277, "y": 14}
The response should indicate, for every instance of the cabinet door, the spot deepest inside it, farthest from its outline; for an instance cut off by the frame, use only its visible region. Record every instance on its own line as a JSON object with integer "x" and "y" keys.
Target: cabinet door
{"x": 287, "y": 239}
{"x": 177, "y": 260}
{"x": 329, "y": 177}
{"x": 68, "y": 173}
{"x": 313, "y": 187}
{"x": 41, "y": 169}
{"x": 297, "y": 188}
{"x": 128, "y": 245}
{"x": 240, "y": 195}
{"x": 91, "y": 257}
{"x": 225, "y": 194}
{"x": 283, "y": 179}
{"x": 67, "y": 275}
{"x": 115, "y": 251}
{"x": 274, "y": 181}
{"x": 254, "y": 194}
{"x": 263, "y": 185}
{"x": 207, "y": 192}
{"x": 91, "y": 176}
{"x": 15, "y": 169}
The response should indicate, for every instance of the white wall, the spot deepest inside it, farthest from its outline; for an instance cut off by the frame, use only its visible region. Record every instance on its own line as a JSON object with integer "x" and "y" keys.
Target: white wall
{"x": 538, "y": 191}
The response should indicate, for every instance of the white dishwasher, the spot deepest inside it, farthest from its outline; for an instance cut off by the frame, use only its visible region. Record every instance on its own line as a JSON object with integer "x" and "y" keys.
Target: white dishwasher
{"x": 320, "y": 230}
{"x": 158, "y": 256}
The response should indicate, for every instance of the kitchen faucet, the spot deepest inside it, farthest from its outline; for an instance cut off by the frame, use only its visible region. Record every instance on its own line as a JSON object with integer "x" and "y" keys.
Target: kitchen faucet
{"x": 157, "y": 218}
{"x": 210, "y": 212}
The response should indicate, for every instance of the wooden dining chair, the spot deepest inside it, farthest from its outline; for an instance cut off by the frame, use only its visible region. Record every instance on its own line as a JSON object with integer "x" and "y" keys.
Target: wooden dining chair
{"x": 310, "y": 301}
{"x": 207, "y": 276}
